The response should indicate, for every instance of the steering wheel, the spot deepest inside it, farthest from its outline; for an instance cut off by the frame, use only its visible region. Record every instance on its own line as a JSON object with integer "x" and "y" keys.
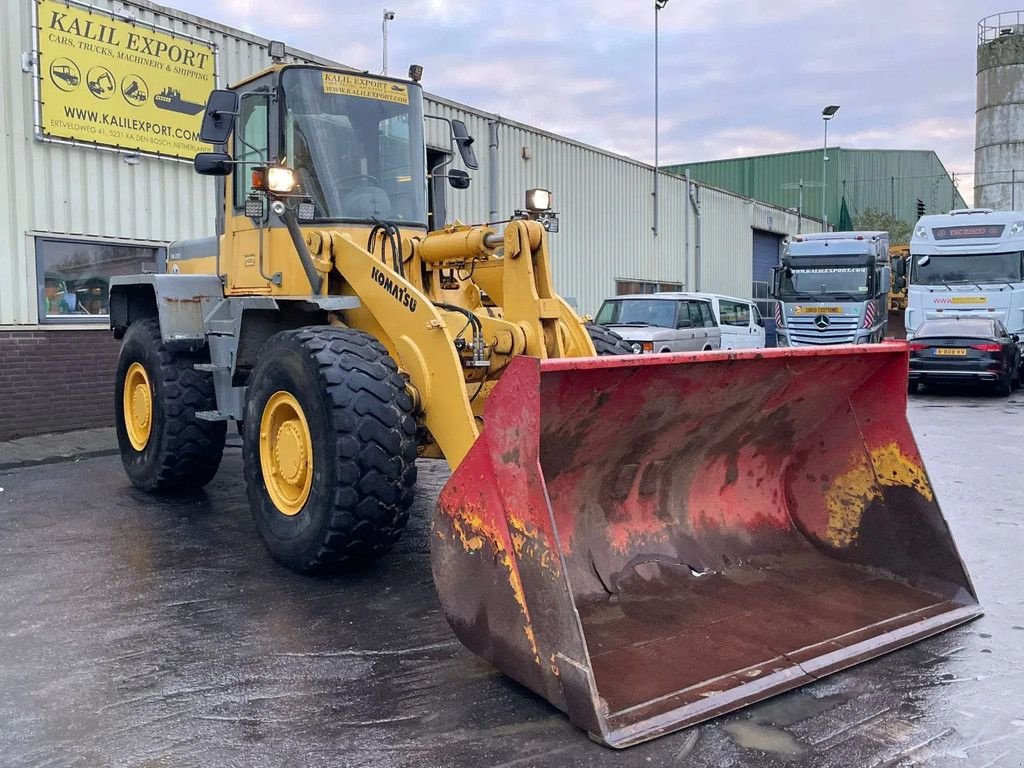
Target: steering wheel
{"x": 366, "y": 180}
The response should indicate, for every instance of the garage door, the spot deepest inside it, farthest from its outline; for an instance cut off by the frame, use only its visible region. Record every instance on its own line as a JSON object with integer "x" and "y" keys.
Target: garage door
{"x": 765, "y": 256}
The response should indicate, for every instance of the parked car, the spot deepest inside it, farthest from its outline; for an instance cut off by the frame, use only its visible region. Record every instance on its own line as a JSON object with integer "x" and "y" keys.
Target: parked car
{"x": 739, "y": 320}
{"x": 965, "y": 349}
{"x": 662, "y": 322}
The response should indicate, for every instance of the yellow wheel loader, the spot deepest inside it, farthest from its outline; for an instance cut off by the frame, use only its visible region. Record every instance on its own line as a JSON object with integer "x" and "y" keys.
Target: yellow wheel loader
{"x": 645, "y": 541}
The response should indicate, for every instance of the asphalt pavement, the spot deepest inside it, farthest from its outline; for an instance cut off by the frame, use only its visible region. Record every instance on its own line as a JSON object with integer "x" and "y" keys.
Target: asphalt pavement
{"x": 146, "y": 631}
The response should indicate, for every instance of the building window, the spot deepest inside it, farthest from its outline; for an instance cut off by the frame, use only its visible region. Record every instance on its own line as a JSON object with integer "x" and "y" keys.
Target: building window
{"x": 625, "y": 287}
{"x": 74, "y": 276}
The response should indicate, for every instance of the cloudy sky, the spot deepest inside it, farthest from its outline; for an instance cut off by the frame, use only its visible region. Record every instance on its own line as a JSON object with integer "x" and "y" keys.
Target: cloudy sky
{"x": 738, "y": 77}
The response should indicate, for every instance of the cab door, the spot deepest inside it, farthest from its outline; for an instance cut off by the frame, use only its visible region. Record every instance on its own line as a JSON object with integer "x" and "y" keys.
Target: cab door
{"x": 757, "y": 329}
{"x": 734, "y": 324}
{"x": 741, "y": 325}
{"x": 242, "y": 235}
{"x": 712, "y": 331}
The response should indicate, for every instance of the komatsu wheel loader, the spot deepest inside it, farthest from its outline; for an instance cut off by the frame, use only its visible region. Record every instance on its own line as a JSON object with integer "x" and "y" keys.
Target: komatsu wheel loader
{"x": 646, "y": 542}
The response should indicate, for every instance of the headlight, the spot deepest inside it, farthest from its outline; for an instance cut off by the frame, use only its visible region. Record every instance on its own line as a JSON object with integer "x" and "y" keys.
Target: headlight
{"x": 921, "y": 232}
{"x": 1017, "y": 227}
{"x": 538, "y": 200}
{"x": 280, "y": 179}
{"x": 637, "y": 349}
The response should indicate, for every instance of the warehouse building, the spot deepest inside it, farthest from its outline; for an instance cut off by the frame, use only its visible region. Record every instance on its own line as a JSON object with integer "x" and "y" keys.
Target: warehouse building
{"x": 904, "y": 183}
{"x": 101, "y": 104}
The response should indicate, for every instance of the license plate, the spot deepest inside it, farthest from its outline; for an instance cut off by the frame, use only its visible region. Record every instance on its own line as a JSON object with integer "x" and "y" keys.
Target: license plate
{"x": 951, "y": 352}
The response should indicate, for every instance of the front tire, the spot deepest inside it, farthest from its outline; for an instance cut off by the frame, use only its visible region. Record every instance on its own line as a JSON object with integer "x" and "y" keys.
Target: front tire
{"x": 607, "y": 342}
{"x": 157, "y": 392}
{"x": 329, "y": 448}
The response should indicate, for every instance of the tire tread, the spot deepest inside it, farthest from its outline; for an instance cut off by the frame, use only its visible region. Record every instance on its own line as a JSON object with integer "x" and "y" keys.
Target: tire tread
{"x": 371, "y": 415}
{"x": 192, "y": 448}
{"x": 607, "y": 342}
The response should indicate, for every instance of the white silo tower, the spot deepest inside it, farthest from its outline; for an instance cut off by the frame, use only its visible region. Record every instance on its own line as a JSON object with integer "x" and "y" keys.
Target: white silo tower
{"x": 999, "y": 123}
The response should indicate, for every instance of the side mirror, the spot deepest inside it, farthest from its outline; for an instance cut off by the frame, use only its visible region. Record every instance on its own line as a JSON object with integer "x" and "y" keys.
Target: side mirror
{"x": 1015, "y": 337}
{"x": 219, "y": 118}
{"x": 776, "y": 281}
{"x": 213, "y": 164}
{"x": 901, "y": 268}
{"x": 465, "y": 144}
{"x": 458, "y": 179}
{"x": 900, "y": 283}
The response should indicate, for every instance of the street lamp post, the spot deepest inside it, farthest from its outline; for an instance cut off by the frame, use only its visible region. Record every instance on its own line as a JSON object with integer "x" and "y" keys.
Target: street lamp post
{"x": 826, "y": 114}
{"x": 388, "y": 16}
{"x": 658, "y": 5}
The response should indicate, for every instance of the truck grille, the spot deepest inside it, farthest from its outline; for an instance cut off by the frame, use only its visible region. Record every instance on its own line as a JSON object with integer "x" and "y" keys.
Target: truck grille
{"x": 841, "y": 330}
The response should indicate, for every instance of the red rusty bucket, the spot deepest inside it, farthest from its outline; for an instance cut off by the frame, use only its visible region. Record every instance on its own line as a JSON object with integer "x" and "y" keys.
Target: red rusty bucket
{"x": 651, "y": 542}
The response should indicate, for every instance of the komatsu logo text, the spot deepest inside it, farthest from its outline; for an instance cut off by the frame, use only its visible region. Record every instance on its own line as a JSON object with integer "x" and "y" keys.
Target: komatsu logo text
{"x": 400, "y": 292}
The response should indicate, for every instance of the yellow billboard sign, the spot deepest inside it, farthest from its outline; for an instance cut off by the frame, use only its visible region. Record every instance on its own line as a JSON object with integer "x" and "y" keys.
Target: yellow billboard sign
{"x": 365, "y": 87}
{"x": 110, "y": 82}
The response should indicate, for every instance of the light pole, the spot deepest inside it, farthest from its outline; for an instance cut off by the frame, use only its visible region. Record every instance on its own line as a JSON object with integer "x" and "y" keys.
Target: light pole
{"x": 658, "y": 5}
{"x": 388, "y": 16}
{"x": 826, "y": 114}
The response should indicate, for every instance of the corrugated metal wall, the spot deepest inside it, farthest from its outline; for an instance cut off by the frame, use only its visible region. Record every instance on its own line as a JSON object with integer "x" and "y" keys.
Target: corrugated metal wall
{"x": 605, "y": 200}
{"x": 58, "y": 188}
{"x": 882, "y": 179}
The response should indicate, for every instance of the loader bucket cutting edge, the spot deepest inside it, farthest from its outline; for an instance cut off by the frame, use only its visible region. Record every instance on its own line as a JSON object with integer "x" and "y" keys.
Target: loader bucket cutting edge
{"x": 651, "y": 542}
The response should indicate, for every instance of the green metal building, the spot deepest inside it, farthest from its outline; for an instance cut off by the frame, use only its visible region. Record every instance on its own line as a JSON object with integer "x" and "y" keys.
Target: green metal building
{"x": 893, "y": 181}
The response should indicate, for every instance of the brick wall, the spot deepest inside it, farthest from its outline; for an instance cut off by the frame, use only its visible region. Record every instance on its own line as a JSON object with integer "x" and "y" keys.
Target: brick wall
{"x": 54, "y": 381}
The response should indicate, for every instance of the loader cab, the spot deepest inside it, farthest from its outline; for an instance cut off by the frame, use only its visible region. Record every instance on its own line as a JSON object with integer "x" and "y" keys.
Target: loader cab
{"x": 353, "y": 143}
{"x": 326, "y": 147}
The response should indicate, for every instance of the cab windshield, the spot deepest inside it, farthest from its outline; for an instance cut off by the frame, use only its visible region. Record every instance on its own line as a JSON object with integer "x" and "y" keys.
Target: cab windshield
{"x": 355, "y": 144}
{"x": 968, "y": 268}
{"x": 823, "y": 281}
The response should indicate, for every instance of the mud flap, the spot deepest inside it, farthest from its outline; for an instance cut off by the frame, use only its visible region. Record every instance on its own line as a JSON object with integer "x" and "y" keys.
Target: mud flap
{"x": 651, "y": 542}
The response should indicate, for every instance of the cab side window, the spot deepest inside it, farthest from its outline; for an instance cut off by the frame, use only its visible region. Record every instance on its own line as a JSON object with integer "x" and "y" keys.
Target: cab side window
{"x": 758, "y": 320}
{"x": 707, "y": 315}
{"x": 696, "y": 319}
{"x": 252, "y": 152}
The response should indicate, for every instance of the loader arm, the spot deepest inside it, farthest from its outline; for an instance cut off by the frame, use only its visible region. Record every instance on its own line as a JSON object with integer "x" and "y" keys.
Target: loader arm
{"x": 422, "y": 326}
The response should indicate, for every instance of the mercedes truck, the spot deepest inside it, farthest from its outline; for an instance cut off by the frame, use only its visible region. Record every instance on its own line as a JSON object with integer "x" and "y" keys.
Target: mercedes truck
{"x": 832, "y": 288}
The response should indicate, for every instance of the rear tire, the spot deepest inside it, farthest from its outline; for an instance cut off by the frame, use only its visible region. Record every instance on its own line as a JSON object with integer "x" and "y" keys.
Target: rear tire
{"x": 1004, "y": 386}
{"x": 164, "y": 447}
{"x": 360, "y": 461}
{"x": 607, "y": 342}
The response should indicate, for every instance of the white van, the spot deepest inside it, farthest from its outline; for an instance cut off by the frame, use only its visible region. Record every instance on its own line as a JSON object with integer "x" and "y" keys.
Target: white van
{"x": 741, "y": 324}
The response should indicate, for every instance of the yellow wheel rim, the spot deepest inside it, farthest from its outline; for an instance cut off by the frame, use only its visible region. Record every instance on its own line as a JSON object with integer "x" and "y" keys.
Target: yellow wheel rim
{"x": 137, "y": 402}
{"x": 286, "y": 453}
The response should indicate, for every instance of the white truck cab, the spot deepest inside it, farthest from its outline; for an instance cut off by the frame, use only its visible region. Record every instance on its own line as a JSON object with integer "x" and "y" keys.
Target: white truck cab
{"x": 967, "y": 263}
